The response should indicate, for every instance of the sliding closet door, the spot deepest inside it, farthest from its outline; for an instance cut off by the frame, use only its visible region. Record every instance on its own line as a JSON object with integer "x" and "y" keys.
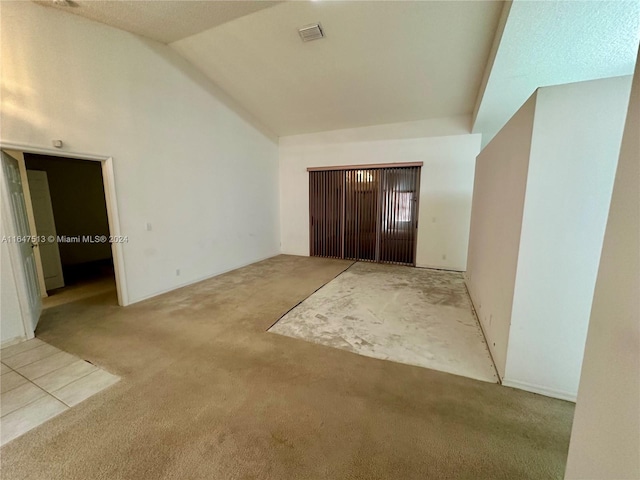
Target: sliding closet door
{"x": 366, "y": 214}
{"x": 399, "y": 216}
{"x": 326, "y": 203}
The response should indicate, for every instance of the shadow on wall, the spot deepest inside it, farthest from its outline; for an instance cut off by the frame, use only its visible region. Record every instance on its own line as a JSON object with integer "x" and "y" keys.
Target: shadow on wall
{"x": 17, "y": 92}
{"x": 442, "y": 231}
{"x": 202, "y": 81}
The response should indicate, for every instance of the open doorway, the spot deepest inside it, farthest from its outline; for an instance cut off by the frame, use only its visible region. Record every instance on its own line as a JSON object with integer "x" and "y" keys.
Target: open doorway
{"x": 80, "y": 259}
{"x": 69, "y": 207}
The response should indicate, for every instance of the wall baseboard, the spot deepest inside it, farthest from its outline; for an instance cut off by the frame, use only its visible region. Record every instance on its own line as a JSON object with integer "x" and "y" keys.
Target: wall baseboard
{"x": 440, "y": 267}
{"x": 427, "y": 266}
{"x": 201, "y": 279}
{"x": 547, "y": 392}
{"x": 482, "y": 329}
{"x": 13, "y": 341}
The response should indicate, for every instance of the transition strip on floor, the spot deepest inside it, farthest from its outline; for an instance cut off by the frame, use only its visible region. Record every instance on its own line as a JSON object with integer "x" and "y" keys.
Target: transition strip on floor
{"x": 39, "y": 381}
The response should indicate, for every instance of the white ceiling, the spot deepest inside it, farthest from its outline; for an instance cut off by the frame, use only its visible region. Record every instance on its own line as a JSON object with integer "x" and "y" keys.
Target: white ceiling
{"x": 381, "y": 62}
{"x": 162, "y": 20}
{"x": 549, "y": 43}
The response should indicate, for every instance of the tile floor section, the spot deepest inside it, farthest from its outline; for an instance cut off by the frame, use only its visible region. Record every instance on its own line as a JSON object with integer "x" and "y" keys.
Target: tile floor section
{"x": 39, "y": 381}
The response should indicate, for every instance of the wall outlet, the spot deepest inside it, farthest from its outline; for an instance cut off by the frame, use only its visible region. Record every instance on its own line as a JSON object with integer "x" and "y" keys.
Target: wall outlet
{"x": 148, "y": 227}
{"x": 444, "y": 257}
{"x": 177, "y": 272}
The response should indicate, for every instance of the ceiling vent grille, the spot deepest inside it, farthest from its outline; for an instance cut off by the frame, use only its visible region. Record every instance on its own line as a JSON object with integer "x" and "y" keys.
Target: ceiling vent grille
{"x": 311, "y": 32}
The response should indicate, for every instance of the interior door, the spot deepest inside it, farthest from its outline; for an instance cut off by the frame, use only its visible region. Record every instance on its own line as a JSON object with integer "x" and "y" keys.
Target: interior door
{"x": 25, "y": 269}
{"x": 46, "y": 227}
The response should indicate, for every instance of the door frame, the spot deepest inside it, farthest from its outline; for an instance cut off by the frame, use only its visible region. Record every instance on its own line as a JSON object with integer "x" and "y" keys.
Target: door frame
{"x": 108, "y": 179}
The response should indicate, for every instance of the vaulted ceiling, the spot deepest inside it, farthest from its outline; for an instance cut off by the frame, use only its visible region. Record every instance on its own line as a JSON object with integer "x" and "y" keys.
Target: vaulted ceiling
{"x": 163, "y": 20}
{"x": 380, "y": 62}
{"x": 384, "y": 61}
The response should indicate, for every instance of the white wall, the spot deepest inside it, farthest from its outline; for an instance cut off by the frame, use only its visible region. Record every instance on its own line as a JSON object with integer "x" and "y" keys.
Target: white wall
{"x": 444, "y": 145}
{"x": 533, "y": 260}
{"x": 496, "y": 221}
{"x": 186, "y": 158}
{"x": 574, "y": 152}
{"x": 605, "y": 441}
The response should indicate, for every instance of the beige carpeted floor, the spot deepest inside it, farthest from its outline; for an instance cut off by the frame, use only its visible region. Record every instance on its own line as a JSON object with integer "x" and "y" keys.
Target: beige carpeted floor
{"x": 207, "y": 393}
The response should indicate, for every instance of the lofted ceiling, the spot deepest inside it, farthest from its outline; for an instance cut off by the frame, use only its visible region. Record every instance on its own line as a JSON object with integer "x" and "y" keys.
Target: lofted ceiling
{"x": 384, "y": 61}
{"x": 380, "y": 62}
{"x": 163, "y": 20}
{"x": 545, "y": 43}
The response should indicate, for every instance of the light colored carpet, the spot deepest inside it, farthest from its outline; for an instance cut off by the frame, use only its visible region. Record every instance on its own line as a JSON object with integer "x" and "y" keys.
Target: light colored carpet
{"x": 76, "y": 292}
{"x": 409, "y": 315}
{"x": 207, "y": 393}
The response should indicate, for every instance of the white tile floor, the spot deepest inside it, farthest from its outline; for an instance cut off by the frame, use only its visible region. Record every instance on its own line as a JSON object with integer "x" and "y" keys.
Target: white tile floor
{"x": 39, "y": 381}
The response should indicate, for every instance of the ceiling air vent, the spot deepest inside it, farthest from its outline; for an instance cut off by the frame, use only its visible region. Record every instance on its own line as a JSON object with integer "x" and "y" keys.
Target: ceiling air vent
{"x": 311, "y": 32}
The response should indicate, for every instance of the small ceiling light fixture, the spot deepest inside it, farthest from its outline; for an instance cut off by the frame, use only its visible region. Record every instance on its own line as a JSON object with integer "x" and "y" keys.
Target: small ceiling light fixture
{"x": 311, "y": 32}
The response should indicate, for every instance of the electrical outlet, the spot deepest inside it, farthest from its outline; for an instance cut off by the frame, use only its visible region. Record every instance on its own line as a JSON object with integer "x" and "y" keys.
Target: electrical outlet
{"x": 177, "y": 272}
{"x": 444, "y": 257}
{"x": 148, "y": 227}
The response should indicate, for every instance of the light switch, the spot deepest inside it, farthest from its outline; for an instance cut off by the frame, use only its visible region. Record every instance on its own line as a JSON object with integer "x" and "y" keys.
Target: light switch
{"x": 148, "y": 225}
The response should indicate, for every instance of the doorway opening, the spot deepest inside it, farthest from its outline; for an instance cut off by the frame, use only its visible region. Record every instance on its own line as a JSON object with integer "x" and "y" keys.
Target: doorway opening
{"x": 367, "y": 213}
{"x": 69, "y": 207}
{"x": 62, "y": 210}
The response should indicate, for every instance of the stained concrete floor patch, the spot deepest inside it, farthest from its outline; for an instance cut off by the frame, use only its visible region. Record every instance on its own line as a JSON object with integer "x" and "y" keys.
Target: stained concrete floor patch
{"x": 409, "y": 315}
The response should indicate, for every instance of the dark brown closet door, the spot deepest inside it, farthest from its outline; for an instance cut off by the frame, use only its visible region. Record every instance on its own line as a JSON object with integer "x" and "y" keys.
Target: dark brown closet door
{"x": 326, "y": 213}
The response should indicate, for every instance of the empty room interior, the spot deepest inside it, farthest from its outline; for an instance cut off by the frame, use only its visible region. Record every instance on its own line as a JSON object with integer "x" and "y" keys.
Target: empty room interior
{"x": 320, "y": 239}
